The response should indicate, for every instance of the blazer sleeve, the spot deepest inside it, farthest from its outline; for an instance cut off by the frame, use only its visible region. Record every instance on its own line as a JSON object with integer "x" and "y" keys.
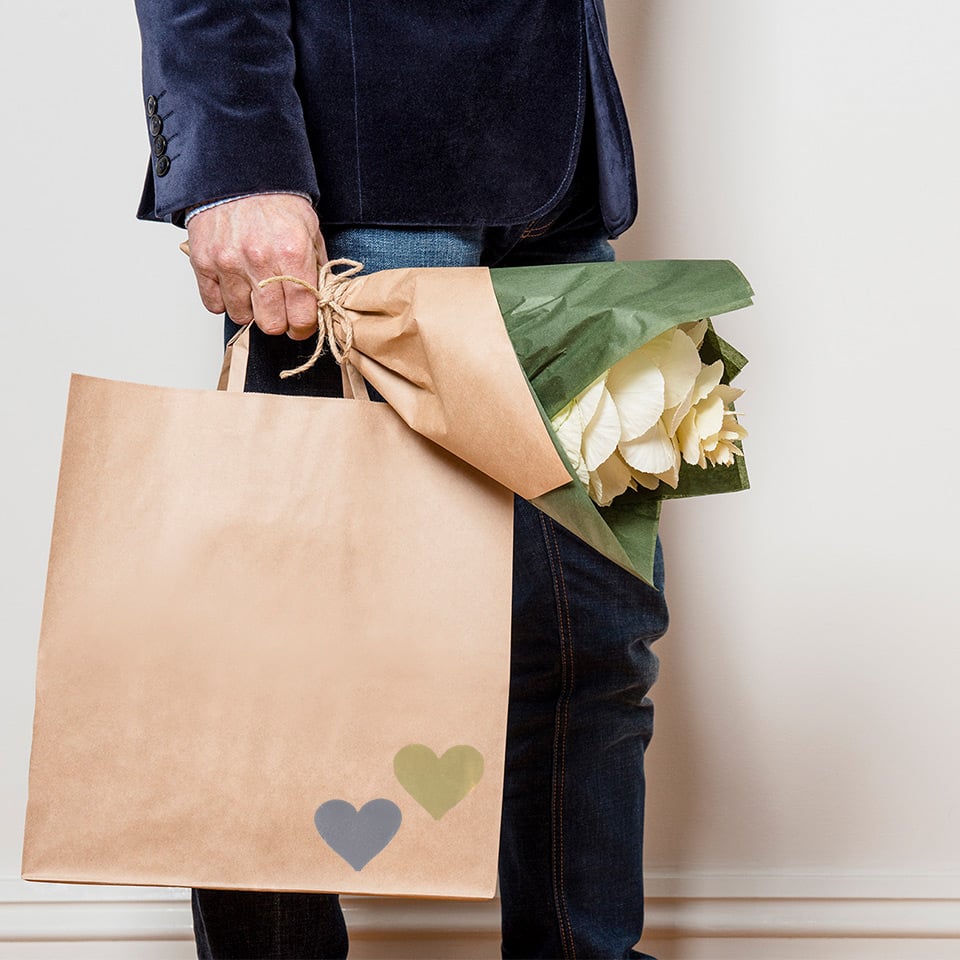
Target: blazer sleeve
{"x": 222, "y": 110}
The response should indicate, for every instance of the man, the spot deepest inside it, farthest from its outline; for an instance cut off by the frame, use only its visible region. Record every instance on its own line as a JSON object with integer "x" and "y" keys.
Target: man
{"x": 457, "y": 133}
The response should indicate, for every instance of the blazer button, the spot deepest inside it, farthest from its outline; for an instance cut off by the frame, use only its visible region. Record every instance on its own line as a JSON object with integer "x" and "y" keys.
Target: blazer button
{"x": 163, "y": 166}
{"x": 151, "y": 105}
{"x": 156, "y": 125}
{"x": 159, "y": 145}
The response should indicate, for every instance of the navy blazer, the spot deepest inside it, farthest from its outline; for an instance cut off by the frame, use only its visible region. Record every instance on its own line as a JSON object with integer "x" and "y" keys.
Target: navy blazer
{"x": 432, "y": 112}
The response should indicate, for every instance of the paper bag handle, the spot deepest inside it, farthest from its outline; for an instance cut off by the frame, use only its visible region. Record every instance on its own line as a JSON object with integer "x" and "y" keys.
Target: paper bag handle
{"x": 233, "y": 372}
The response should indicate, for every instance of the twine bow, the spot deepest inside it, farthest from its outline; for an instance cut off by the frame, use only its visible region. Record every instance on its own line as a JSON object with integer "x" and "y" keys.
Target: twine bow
{"x": 335, "y": 328}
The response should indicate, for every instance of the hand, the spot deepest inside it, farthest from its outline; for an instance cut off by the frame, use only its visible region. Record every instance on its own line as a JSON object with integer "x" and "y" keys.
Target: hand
{"x": 235, "y": 245}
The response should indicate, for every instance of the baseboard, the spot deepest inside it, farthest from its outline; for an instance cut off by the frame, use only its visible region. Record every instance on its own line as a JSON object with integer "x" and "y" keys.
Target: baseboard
{"x": 679, "y": 906}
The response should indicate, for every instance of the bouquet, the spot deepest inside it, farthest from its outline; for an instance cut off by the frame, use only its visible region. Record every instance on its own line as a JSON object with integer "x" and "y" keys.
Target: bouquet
{"x": 634, "y": 382}
{"x": 594, "y": 390}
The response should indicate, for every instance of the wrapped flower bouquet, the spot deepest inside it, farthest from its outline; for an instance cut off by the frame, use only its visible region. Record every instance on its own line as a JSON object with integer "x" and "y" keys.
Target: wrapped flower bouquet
{"x": 594, "y": 390}
{"x": 635, "y": 383}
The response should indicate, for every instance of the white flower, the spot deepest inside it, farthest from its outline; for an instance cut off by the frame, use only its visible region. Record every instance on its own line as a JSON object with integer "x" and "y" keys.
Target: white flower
{"x": 707, "y": 433}
{"x": 657, "y": 406}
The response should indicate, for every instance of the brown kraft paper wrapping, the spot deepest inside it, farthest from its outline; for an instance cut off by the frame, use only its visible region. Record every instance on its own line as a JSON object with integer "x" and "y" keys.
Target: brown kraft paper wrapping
{"x": 433, "y": 343}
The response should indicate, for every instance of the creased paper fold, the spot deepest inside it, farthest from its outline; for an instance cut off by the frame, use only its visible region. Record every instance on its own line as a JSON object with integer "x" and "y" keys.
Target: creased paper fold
{"x": 432, "y": 342}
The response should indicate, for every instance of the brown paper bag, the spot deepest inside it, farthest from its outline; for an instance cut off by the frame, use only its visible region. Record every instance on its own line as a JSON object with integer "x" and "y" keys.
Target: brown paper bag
{"x": 274, "y": 650}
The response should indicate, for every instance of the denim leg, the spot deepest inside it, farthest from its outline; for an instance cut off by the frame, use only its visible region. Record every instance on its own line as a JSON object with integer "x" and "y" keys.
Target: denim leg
{"x": 386, "y": 248}
{"x": 250, "y": 925}
{"x": 579, "y": 721}
{"x": 571, "y": 850}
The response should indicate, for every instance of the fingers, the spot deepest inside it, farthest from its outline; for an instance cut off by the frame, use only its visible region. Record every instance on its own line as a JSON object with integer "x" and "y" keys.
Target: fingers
{"x": 235, "y": 292}
{"x": 209, "y": 291}
{"x": 300, "y": 304}
{"x": 269, "y": 308}
{"x": 285, "y": 307}
{"x": 237, "y": 244}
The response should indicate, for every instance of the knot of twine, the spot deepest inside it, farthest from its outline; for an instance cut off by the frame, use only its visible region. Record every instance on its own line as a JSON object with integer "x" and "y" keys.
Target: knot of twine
{"x": 335, "y": 328}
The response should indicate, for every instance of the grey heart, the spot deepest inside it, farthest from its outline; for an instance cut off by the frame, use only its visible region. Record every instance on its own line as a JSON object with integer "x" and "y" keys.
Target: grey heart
{"x": 357, "y": 835}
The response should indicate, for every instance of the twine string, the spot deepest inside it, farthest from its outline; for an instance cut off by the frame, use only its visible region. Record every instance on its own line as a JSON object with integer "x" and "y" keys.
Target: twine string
{"x": 335, "y": 329}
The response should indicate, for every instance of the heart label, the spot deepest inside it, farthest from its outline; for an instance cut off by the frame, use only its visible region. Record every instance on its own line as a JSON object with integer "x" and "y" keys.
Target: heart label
{"x": 357, "y": 835}
{"x": 438, "y": 783}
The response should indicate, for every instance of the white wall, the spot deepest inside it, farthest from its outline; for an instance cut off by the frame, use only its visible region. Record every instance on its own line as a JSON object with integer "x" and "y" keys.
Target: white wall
{"x": 807, "y": 717}
{"x": 803, "y": 780}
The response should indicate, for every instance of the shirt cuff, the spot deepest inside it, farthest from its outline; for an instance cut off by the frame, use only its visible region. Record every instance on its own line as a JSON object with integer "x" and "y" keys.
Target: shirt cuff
{"x": 193, "y": 211}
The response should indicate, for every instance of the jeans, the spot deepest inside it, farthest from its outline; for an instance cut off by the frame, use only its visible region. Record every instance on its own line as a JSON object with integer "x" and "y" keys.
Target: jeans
{"x": 579, "y": 718}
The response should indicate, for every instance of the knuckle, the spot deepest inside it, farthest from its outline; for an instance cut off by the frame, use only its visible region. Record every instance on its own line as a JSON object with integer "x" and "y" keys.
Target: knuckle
{"x": 228, "y": 260}
{"x": 290, "y": 251}
{"x": 256, "y": 255}
{"x": 203, "y": 263}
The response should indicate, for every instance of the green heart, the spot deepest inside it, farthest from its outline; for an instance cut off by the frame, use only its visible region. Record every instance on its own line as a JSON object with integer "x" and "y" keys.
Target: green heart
{"x": 438, "y": 783}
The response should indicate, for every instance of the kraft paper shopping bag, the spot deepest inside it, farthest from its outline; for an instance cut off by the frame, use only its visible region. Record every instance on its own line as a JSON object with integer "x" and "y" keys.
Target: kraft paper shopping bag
{"x": 274, "y": 650}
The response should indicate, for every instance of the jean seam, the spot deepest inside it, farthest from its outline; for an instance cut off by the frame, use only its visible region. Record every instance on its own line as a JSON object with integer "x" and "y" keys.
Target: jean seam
{"x": 560, "y": 734}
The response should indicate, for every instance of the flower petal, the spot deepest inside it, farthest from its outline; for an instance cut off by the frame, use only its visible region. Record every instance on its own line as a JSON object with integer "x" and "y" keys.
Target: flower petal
{"x": 671, "y": 477}
{"x": 724, "y": 454}
{"x": 732, "y": 429}
{"x": 708, "y": 380}
{"x": 696, "y": 331}
{"x": 688, "y": 437}
{"x": 589, "y": 399}
{"x": 709, "y": 416}
{"x": 568, "y": 426}
{"x": 728, "y": 394}
{"x": 609, "y": 480}
{"x": 654, "y": 452}
{"x": 602, "y": 432}
{"x": 656, "y": 349}
{"x": 646, "y": 480}
{"x": 680, "y": 367}
{"x": 636, "y": 385}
